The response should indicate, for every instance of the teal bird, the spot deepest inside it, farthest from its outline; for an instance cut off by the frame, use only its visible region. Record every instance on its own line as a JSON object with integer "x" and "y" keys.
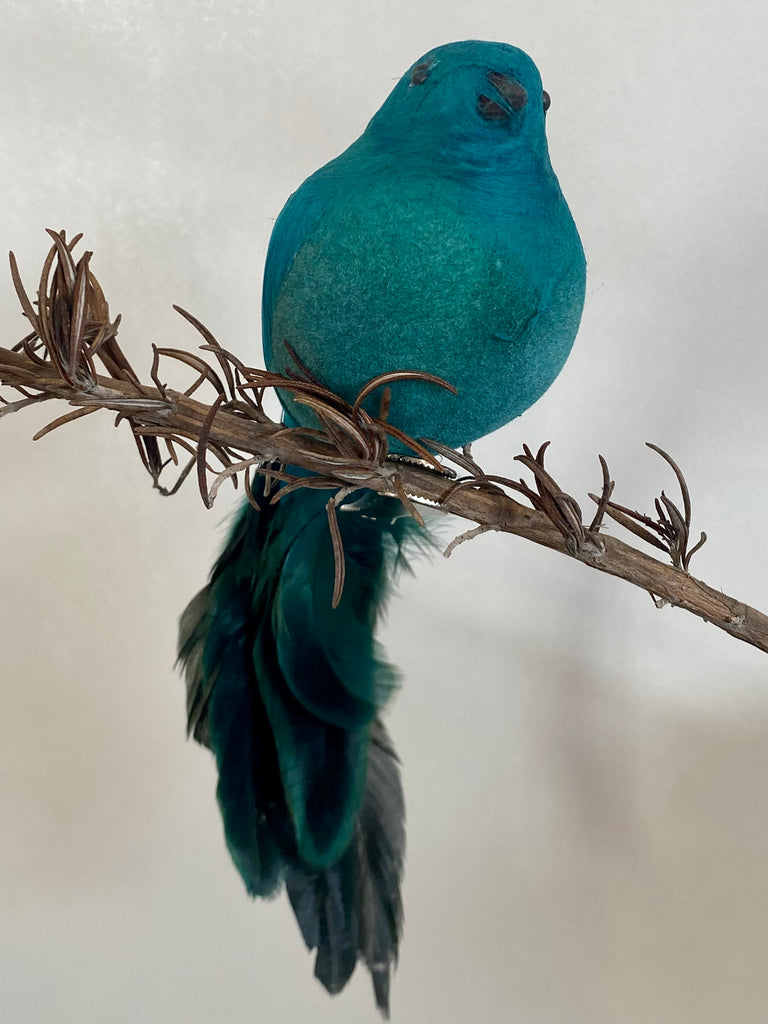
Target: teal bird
{"x": 439, "y": 241}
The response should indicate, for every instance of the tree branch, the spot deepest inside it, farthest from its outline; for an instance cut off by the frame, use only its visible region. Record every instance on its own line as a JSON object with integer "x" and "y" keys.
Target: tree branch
{"x": 71, "y": 331}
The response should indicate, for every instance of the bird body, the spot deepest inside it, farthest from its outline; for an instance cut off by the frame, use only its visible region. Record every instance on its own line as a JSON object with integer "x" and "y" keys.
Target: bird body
{"x": 439, "y": 241}
{"x": 442, "y": 244}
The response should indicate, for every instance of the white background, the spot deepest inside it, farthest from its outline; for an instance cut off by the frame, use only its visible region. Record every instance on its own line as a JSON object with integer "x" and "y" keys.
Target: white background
{"x": 586, "y": 776}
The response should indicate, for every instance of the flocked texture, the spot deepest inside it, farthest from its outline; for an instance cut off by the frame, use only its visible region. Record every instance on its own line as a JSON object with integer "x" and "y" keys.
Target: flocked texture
{"x": 439, "y": 241}
{"x": 285, "y": 691}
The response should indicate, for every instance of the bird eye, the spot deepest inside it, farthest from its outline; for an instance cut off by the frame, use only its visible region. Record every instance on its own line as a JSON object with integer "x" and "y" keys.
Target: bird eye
{"x": 546, "y": 101}
{"x": 489, "y": 110}
{"x": 420, "y": 72}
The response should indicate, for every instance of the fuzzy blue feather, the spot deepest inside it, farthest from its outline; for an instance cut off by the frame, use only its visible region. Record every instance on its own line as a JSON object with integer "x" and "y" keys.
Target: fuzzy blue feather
{"x": 439, "y": 241}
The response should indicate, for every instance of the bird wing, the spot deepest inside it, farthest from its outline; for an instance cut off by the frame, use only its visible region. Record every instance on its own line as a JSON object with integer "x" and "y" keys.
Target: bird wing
{"x": 294, "y": 225}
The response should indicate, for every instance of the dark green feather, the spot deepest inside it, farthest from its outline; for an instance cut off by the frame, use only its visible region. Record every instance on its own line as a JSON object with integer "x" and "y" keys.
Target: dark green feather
{"x": 286, "y": 692}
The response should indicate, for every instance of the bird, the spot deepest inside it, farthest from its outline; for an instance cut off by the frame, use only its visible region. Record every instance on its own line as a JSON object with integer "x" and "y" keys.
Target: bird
{"x": 439, "y": 242}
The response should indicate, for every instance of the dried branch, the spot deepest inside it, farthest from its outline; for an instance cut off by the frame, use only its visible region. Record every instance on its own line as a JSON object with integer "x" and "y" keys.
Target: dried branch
{"x": 72, "y": 335}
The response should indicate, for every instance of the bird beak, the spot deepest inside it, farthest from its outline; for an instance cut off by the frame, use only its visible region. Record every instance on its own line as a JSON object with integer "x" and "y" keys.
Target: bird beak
{"x": 510, "y": 90}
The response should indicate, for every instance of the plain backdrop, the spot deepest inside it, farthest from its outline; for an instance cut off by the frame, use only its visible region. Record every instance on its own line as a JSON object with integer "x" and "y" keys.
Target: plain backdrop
{"x": 585, "y": 775}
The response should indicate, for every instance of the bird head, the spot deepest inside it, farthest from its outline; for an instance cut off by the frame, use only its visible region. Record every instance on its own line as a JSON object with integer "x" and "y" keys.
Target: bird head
{"x": 466, "y": 102}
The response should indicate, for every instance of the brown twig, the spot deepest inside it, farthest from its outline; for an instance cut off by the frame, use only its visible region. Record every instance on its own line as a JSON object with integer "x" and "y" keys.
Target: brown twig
{"x": 72, "y": 333}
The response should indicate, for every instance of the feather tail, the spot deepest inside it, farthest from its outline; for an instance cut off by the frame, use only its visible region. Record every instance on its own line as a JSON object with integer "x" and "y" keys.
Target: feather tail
{"x": 354, "y": 908}
{"x": 286, "y": 691}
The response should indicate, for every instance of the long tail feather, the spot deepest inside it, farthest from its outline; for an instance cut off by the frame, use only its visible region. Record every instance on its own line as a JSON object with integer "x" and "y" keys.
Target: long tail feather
{"x": 355, "y": 907}
{"x": 286, "y": 691}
